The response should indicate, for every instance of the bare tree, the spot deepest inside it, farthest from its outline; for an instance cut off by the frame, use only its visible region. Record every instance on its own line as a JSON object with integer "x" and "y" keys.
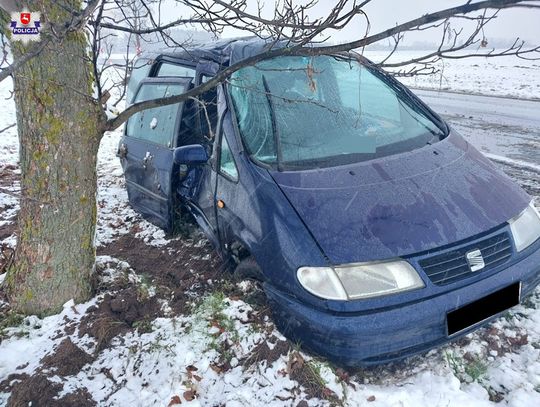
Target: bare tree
{"x": 61, "y": 90}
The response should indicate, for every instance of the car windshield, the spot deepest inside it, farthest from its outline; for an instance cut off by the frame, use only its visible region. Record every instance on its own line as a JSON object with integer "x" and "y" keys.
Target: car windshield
{"x": 311, "y": 112}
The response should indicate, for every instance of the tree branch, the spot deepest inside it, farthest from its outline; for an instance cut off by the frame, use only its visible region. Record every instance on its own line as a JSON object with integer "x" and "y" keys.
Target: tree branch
{"x": 300, "y": 49}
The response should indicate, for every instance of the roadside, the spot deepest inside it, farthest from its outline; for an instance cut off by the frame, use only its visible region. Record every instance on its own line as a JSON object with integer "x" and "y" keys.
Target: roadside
{"x": 473, "y": 93}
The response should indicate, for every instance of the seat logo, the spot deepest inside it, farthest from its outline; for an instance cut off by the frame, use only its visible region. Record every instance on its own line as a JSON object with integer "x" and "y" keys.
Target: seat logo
{"x": 475, "y": 260}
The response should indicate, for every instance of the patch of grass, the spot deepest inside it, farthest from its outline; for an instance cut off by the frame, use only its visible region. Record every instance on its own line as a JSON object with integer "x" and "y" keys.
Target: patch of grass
{"x": 467, "y": 371}
{"x": 159, "y": 346}
{"x": 308, "y": 373}
{"x": 227, "y": 286}
{"x": 254, "y": 328}
{"x": 106, "y": 325}
{"x": 212, "y": 310}
{"x": 529, "y": 302}
{"x": 143, "y": 288}
{"x": 508, "y": 316}
{"x": 143, "y": 326}
{"x": 10, "y": 320}
{"x": 476, "y": 369}
{"x": 316, "y": 368}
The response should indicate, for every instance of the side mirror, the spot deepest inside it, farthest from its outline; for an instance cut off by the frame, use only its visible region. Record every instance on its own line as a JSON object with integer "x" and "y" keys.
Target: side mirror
{"x": 190, "y": 155}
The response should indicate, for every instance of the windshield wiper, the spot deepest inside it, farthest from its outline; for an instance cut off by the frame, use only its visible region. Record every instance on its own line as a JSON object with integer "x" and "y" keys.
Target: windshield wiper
{"x": 275, "y": 132}
{"x": 410, "y": 98}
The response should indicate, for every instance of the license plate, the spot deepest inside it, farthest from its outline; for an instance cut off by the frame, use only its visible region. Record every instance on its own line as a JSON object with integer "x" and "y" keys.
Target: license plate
{"x": 482, "y": 309}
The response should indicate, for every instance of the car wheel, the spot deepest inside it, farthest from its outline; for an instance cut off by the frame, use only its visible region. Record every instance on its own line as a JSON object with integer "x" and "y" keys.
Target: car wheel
{"x": 248, "y": 269}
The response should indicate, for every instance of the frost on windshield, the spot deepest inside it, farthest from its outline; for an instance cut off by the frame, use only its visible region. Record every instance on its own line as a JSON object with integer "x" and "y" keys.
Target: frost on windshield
{"x": 321, "y": 111}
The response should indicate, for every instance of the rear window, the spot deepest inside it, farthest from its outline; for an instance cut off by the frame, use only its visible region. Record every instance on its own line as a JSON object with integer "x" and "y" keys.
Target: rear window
{"x": 139, "y": 71}
{"x": 168, "y": 69}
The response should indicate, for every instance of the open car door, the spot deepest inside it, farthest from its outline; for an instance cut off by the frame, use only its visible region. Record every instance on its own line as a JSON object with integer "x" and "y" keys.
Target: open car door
{"x": 146, "y": 151}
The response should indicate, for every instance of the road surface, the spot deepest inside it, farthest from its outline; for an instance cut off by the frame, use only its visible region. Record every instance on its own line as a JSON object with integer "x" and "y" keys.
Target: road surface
{"x": 506, "y": 130}
{"x": 499, "y": 126}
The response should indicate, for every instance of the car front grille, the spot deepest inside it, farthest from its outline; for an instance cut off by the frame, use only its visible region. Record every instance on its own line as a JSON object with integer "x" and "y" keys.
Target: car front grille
{"x": 450, "y": 266}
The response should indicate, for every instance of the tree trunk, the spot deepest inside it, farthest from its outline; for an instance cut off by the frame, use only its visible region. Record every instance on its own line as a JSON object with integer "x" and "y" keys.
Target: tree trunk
{"x": 59, "y": 131}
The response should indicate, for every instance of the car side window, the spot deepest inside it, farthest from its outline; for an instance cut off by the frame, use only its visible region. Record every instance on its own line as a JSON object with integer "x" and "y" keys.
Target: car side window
{"x": 168, "y": 69}
{"x": 227, "y": 166}
{"x": 155, "y": 125}
{"x": 138, "y": 72}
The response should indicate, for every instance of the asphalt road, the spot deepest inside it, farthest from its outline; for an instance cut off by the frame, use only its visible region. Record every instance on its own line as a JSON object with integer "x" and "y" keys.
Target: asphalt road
{"x": 498, "y": 126}
{"x": 506, "y": 130}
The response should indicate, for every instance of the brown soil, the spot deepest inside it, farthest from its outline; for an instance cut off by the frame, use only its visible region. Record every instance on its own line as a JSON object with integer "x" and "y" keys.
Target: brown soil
{"x": 67, "y": 359}
{"x": 39, "y": 391}
{"x": 175, "y": 269}
{"x": 7, "y": 179}
{"x": 8, "y": 229}
{"x": 263, "y": 352}
{"x": 8, "y": 176}
{"x": 6, "y": 255}
{"x": 118, "y": 313}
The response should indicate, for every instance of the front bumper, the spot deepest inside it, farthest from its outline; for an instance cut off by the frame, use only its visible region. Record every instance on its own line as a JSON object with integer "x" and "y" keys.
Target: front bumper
{"x": 392, "y": 333}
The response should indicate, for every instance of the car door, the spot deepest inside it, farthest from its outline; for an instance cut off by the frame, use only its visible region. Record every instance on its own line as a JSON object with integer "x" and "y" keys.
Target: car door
{"x": 226, "y": 197}
{"x": 146, "y": 151}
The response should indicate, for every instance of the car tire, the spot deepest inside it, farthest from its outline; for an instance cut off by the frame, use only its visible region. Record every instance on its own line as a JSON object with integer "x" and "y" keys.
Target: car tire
{"x": 248, "y": 269}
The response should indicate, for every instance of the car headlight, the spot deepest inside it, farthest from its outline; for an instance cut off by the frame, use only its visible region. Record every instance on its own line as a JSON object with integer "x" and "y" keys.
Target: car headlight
{"x": 525, "y": 227}
{"x": 362, "y": 280}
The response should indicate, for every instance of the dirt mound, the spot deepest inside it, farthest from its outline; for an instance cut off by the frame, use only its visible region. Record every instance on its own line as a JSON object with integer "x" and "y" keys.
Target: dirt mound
{"x": 118, "y": 313}
{"x": 170, "y": 263}
{"x": 67, "y": 359}
{"x": 38, "y": 391}
{"x": 180, "y": 267}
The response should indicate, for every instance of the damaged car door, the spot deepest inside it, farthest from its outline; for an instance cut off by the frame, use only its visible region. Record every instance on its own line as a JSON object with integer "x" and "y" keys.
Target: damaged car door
{"x": 146, "y": 151}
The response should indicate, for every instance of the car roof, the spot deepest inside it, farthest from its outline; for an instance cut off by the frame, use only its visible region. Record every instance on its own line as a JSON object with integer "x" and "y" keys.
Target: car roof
{"x": 225, "y": 52}
{"x": 217, "y": 51}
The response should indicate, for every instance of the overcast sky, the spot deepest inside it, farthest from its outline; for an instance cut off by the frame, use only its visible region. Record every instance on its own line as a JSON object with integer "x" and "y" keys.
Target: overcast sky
{"x": 384, "y": 14}
{"x": 509, "y": 24}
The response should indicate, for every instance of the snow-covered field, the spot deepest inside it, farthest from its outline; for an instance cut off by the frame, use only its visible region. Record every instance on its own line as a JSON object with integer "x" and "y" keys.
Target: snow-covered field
{"x": 505, "y": 76}
{"x": 212, "y": 342}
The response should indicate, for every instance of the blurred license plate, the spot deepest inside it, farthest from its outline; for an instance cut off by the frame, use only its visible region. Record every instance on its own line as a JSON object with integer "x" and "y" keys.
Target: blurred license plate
{"x": 482, "y": 309}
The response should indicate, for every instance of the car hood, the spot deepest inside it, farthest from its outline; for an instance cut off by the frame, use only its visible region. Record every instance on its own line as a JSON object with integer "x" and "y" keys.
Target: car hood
{"x": 402, "y": 204}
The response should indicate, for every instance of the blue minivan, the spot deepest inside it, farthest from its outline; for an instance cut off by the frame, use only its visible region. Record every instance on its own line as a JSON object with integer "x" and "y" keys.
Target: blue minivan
{"x": 375, "y": 229}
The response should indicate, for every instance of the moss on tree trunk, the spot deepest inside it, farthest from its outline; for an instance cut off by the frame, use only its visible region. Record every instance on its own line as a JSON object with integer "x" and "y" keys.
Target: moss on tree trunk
{"x": 59, "y": 131}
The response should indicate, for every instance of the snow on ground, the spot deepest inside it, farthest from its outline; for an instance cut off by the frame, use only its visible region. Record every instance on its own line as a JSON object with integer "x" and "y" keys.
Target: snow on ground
{"x": 211, "y": 344}
{"x": 9, "y": 144}
{"x": 114, "y": 209}
{"x": 505, "y": 76}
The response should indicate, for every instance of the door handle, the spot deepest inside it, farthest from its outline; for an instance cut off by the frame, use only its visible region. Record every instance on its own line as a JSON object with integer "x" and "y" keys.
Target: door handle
{"x": 147, "y": 158}
{"x": 122, "y": 151}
